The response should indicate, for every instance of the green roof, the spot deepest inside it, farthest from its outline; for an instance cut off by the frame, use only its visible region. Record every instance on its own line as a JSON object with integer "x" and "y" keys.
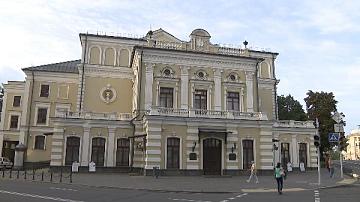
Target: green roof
{"x": 64, "y": 67}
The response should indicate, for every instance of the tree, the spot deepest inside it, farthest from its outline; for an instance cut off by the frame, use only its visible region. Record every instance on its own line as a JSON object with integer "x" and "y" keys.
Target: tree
{"x": 1, "y": 96}
{"x": 322, "y": 105}
{"x": 290, "y": 109}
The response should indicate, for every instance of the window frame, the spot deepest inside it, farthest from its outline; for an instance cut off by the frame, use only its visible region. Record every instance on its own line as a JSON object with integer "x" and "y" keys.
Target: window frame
{"x": 178, "y": 152}
{"x": 67, "y": 91}
{"x": 122, "y": 147}
{"x": 40, "y": 90}
{"x": 66, "y": 147}
{"x": 42, "y": 105}
{"x": 35, "y": 145}
{"x": 203, "y": 97}
{"x": 19, "y": 101}
{"x": 9, "y": 120}
{"x": 92, "y": 151}
{"x": 233, "y": 101}
{"x": 168, "y": 95}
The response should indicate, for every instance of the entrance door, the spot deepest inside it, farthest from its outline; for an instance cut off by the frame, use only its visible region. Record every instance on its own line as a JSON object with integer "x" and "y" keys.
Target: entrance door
{"x": 9, "y": 149}
{"x": 212, "y": 156}
{"x": 303, "y": 153}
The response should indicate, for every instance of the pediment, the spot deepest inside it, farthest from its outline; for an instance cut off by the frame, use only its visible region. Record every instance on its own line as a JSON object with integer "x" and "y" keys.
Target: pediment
{"x": 162, "y": 35}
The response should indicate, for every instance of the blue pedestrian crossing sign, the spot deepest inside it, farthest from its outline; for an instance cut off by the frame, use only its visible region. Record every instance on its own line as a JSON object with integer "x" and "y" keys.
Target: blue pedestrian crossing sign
{"x": 333, "y": 137}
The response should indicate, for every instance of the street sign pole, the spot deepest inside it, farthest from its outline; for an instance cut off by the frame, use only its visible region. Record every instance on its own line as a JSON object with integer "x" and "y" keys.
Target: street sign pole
{"x": 341, "y": 166}
{"x": 318, "y": 152}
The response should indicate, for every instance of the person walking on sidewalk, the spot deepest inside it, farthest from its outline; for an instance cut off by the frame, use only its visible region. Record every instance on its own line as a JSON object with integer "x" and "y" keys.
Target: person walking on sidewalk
{"x": 279, "y": 174}
{"x": 253, "y": 173}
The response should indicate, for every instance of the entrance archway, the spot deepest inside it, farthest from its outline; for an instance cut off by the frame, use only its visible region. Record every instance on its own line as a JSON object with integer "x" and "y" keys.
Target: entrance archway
{"x": 212, "y": 156}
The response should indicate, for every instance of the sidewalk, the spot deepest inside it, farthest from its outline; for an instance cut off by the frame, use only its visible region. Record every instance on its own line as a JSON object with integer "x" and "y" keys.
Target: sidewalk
{"x": 294, "y": 182}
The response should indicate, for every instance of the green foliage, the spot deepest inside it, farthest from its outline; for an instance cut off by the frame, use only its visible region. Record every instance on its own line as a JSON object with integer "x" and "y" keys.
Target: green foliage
{"x": 321, "y": 105}
{"x": 290, "y": 109}
{"x": 343, "y": 142}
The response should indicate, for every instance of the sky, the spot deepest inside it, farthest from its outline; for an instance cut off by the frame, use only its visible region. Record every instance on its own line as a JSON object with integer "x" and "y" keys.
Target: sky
{"x": 318, "y": 41}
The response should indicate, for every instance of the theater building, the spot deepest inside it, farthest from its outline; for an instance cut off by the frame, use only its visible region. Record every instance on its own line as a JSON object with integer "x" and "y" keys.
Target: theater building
{"x": 187, "y": 107}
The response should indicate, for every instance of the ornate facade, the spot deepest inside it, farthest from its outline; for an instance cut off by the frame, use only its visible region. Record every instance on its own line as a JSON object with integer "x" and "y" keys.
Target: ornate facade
{"x": 158, "y": 101}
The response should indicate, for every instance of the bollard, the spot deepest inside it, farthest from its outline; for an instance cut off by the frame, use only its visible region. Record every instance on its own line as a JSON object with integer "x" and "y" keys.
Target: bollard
{"x": 70, "y": 177}
{"x": 42, "y": 176}
{"x": 3, "y": 173}
{"x": 25, "y": 175}
{"x": 51, "y": 176}
{"x": 18, "y": 174}
{"x": 33, "y": 177}
{"x": 60, "y": 175}
{"x": 10, "y": 175}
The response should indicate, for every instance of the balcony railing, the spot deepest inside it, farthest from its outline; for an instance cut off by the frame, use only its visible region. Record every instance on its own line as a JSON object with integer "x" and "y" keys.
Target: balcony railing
{"x": 202, "y": 113}
{"x": 94, "y": 115}
{"x": 296, "y": 124}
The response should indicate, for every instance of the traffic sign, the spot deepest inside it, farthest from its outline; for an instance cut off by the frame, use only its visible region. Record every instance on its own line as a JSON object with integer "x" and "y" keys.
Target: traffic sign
{"x": 333, "y": 137}
{"x": 339, "y": 128}
{"x": 337, "y": 117}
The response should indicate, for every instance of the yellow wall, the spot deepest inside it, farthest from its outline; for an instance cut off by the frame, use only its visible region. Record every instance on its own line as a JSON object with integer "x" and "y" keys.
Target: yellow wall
{"x": 93, "y": 102}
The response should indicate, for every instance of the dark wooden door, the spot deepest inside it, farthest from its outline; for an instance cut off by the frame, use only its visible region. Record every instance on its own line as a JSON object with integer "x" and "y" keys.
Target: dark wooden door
{"x": 9, "y": 149}
{"x": 212, "y": 156}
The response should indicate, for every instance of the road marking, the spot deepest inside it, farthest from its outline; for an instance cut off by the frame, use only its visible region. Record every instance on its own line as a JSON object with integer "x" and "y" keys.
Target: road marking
{"x": 190, "y": 200}
{"x": 241, "y": 195}
{"x": 271, "y": 190}
{"x": 317, "y": 195}
{"x": 63, "y": 189}
{"x": 38, "y": 196}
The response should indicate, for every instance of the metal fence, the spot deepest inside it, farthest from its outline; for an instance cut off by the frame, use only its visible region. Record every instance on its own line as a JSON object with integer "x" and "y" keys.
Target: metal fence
{"x": 43, "y": 175}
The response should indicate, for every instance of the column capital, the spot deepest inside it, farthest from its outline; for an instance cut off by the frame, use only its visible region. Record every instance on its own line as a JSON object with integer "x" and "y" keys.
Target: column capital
{"x": 86, "y": 129}
{"x": 217, "y": 72}
{"x": 149, "y": 67}
{"x": 111, "y": 129}
{"x": 184, "y": 70}
{"x": 249, "y": 75}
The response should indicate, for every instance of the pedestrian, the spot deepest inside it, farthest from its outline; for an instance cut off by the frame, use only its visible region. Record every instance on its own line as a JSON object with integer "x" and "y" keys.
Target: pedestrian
{"x": 253, "y": 172}
{"x": 279, "y": 174}
{"x": 331, "y": 167}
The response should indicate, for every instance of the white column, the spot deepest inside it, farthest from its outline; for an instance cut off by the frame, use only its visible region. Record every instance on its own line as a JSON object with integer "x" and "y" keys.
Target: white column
{"x": 85, "y": 147}
{"x": 217, "y": 90}
{"x": 241, "y": 100}
{"x": 295, "y": 154}
{"x": 149, "y": 77}
{"x": 225, "y": 98}
{"x": 184, "y": 88}
{"x": 249, "y": 91}
{"x": 110, "y": 148}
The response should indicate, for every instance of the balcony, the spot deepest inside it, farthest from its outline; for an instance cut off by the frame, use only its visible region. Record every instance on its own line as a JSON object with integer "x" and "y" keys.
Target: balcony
{"x": 294, "y": 124}
{"x": 202, "y": 113}
{"x": 93, "y": 115}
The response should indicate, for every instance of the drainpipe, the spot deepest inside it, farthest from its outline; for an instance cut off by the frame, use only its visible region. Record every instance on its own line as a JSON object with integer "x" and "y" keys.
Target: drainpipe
{"x": 29, "y": 112}
{"x": 82, "y": 75}
{"x": 137, "y": 114}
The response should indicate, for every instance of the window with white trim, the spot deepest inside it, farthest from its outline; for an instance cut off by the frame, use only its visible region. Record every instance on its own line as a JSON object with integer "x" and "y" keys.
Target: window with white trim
{"x": 14, "y": 121}
{"x": 166, "y": 97}
{"x": 16, "y": 101}
{"x": 39, "y": 142}
{"x": 44, "y": 90}
{"x": 42, "y": 116}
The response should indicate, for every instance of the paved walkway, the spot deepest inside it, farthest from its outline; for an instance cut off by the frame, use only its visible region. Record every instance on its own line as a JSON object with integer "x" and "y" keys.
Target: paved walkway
{"x": 294, "y": 182}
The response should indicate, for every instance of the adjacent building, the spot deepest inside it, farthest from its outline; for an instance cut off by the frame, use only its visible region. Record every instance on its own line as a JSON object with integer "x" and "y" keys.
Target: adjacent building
{"x": 353, "y": 149}
{"x": 187, "y": 107}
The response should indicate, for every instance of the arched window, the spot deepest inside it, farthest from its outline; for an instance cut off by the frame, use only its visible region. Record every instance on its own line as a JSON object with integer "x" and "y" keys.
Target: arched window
{"x": 98, "y": 151}
{"x": 39, "y": 142}
{"x": 122, "y": 152}
{"x": 265, "y": 70}
{"x": 72, "y": 150}
{"x": 110, "y": 57}
{"x": 94, "y": 55}
{"x": 173, "y": 153}
{"x": 124, "y": 58}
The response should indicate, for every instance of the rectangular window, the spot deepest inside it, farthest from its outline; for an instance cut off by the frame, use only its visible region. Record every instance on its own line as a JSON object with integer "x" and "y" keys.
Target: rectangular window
{"x": 14, "y": 119}
{"x": 16, "y": 102}
{"x": 166, "y": 97}
{"x": 233, "y": 101}
{"x": 44, "y": 90}
{"x": 173, "y": 153}
{"x": 285, "y": 154}
{"x": 63, "y": 91}
{"x": 200, "y": 99}
{"x": 39, "y": 142}
{"x": 41, "y": 115}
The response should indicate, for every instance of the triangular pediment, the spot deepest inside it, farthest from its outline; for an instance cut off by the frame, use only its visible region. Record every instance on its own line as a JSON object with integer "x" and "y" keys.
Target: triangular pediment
{"x": 162, "y": 35}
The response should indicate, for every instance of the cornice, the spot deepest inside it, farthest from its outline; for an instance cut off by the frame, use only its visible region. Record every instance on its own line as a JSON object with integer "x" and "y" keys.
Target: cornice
{"x": 199, "y": 60}
{"x": 108, "y": 72}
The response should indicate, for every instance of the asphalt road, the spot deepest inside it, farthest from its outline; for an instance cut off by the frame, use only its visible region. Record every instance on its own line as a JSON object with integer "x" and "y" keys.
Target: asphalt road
{"x": 21, "y": 191}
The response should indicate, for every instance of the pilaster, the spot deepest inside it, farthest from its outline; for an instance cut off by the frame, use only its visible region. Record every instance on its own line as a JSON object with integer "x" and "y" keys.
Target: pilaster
{"x": 192, "y": 146}
{"x": 85, "y": 147}
{"x": 184, "y": 88}
{"x": 57, "y": 147}
{"x": 250, "y": 91}
{"x": 149, "y": 78}
{"x": 217, "y": 89}
{"x": 110, "y": 148}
